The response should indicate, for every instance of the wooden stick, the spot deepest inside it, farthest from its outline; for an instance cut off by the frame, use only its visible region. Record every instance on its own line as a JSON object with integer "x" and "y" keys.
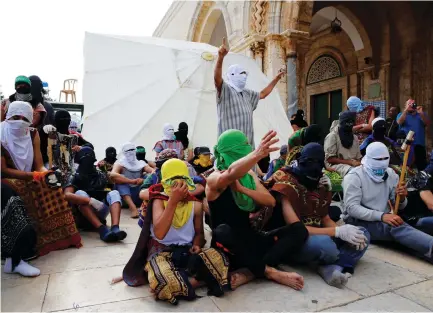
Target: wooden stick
{"x": 50, "y": 152}
{"x": 406, "y": 148}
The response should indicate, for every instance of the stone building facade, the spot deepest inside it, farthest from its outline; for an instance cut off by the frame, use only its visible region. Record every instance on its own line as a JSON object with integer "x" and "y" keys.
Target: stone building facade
{"x": 382, "y": 53}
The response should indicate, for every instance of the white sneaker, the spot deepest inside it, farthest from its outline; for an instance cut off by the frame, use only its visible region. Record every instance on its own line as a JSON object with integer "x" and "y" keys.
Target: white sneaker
{"x": 22, "y": 268}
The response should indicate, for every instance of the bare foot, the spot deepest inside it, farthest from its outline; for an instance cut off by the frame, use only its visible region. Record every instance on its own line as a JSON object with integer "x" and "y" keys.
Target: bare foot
{"x": 134, "y": 213}
{"x": 240, "y": 277}
{"x": 115, "y": 280}
{"x": 291, "y": 279}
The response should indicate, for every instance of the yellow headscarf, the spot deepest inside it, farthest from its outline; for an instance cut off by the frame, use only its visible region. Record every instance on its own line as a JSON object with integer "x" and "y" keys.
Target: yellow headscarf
{"x": 203, "y": 160}
{"x": 172, "y": 171}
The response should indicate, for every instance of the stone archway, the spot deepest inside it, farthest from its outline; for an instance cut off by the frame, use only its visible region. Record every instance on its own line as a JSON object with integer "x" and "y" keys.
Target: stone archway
{"x": 212, "y": 23}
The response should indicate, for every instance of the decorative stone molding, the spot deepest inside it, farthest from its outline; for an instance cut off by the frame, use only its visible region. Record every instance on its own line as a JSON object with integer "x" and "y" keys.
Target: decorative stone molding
{"x": 324, "y": 68}
{"x": 201, "y": 19}
{"x": 258, "y": 16}
{"x": 258, "y": 47}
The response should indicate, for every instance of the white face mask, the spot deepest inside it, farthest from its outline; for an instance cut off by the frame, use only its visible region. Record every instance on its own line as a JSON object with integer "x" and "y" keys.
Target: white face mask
{"x": 129, "y": 155}
{"x": 237, "y": 77}
{"x": 18, "y": 127}
{"x": 372, "y": 163}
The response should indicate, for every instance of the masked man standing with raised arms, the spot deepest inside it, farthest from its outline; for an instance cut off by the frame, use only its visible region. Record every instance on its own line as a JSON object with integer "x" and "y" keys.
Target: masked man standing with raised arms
{"x": 235, "y": 103}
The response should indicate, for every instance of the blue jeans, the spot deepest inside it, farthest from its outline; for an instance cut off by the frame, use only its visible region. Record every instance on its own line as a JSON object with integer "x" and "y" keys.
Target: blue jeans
{"x": 112, "y": 197}
{"x": 405, "y": 234}
{"x": 323, "y": 249}
{"x": 127, "y": 190}
{"x": 425, "y": 224}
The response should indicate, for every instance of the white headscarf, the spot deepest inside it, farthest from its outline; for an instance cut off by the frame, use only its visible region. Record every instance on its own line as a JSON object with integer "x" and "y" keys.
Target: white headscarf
{"x": 235, "y": 78}
{"x": 15, "y": 135}
{"x": 168, "y": 132}
{"x": 375, "y": 168}
{"x": 129, "y": 158}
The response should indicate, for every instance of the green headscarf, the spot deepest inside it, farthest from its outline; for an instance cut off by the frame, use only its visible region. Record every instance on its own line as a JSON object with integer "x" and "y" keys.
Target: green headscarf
{"x": 22, "y": 80}
{"x": 233, "y": 145}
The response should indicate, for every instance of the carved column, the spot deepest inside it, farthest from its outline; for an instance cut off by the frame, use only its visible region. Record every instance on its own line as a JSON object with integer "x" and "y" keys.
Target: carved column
{"x": 258, "y": 49}
{"x": 296, "y": 44}
{"x": 274, "y": 60}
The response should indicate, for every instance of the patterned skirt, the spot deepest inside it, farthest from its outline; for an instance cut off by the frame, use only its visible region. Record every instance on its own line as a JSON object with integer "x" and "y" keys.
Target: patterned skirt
{"x": 51, "y": 214}
{"x": 14, "y": 221}
{"x": 168, "y": 272}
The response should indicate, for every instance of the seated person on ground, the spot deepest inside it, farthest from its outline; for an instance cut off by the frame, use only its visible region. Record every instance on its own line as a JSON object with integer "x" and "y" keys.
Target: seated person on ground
{"x": 130, "y": 177}
{"x": 87, "y": 190}
{"x": 169, "y": 141}
{"x": 367, "y": 191}
{"x": 305, "y": 196}
{"x": 342, "y": 152}
{"x": 155, "y": 177}
{"x": 202, "y": 160}
{"x": 419, "y": 210}
{"x": 141, "y": 156}
{"x": 233, "y": 191}
{"x": 22, "y": 169}
{"x": 276, "y": 164}
{"x": 301, "y": 138}
{"x": 106, "y": 164}
{"x": 379, "y": 130}
{"x": 177, "y": 262}
{"x": 18, "y": 240}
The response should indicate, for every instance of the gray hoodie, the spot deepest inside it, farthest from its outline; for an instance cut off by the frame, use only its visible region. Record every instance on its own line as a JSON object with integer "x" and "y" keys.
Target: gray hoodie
{"x": 366, "y": 200}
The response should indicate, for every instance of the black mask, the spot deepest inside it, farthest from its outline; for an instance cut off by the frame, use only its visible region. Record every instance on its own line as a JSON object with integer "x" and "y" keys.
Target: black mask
{"x": 110, "y": 155}
{"x": 310, "y": 165}
{"x": 62, "y": 119}
{"x": 379, "y": 130}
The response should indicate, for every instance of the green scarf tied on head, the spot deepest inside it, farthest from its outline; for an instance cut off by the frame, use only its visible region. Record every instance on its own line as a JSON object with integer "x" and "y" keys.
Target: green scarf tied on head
{"x": 233, "y": 145}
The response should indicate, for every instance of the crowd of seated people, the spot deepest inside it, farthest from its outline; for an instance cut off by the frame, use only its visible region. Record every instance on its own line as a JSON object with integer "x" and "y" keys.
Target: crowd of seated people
{"x": 257, "y": 222}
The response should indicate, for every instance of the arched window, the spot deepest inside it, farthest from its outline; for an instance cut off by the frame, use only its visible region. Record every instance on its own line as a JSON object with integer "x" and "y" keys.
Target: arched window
{"x": 325, "y": 67}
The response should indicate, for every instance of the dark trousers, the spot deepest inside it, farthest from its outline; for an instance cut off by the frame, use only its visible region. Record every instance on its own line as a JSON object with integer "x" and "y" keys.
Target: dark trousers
{"x": 253, "y": 250}
{"x": 420, "y": 157}
{"x": 24, "y": 246}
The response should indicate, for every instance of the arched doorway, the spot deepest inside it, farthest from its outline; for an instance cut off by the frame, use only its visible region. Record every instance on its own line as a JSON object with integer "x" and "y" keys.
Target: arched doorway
{"x": 325, "y": 86}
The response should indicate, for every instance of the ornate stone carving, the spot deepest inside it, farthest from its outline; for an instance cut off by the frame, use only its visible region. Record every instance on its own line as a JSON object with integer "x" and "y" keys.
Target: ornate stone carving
{"x": 258, "y": 16}
{"x": 324, "y": 68}
{"x": 258, "y": 47}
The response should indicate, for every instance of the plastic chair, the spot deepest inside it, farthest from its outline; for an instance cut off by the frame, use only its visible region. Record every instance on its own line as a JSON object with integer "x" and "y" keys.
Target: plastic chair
{"x": 69, "y": 89}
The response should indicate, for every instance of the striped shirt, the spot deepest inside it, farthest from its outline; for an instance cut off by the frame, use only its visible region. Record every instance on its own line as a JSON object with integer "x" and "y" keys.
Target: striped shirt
{"x": 169, "y": 144}
{"x": 235, "y": 110}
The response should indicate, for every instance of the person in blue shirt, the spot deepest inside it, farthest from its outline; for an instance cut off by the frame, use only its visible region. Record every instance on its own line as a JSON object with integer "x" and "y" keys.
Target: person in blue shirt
{"x": 413, "y": 118}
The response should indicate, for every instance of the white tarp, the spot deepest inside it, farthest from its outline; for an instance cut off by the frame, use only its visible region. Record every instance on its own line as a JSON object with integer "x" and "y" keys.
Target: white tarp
{"x": 133, "y": 85}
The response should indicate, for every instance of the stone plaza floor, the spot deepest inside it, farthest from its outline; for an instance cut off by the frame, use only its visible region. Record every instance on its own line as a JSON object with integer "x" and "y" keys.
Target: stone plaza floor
{"x": 79, "y": 280}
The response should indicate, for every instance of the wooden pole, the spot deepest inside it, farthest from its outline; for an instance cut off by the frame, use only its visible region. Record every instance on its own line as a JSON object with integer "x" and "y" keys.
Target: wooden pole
{"x": 406, "y": 147}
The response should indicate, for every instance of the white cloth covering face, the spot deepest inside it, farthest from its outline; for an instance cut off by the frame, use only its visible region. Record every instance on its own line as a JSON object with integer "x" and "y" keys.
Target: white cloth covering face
{"x": 235, "y": 79}
{"x": 375, "y": 168}
{"x": 168, "y": 132}
{"x": 129, "y": 158}
{"x": 15, "y": 135}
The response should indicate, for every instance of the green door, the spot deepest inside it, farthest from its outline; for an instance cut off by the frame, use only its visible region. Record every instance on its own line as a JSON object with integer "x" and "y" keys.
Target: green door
{"x": 321, "y": 113}
{"x": 336, "y": 104}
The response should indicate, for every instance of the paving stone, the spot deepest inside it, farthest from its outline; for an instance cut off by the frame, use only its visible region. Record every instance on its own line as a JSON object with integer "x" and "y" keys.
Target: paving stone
{"x": 88, "y": 287}
{"x": 373, "y": 276}
{"x": 149, "y": 304}
{"x": 84, "y": 258}
{"x": 403, "y": 259}
{"x": 21, "y": 294}
{"x": 421, "y": 293}
{"x": 381, "y": 303}
{"x": 269, "y": 296}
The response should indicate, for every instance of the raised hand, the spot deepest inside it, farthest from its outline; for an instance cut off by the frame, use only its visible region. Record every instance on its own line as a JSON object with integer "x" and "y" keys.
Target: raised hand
{"x": 223, "y": 50}
{"x": 281, "y": 73}
{"x": 265, "y": 146}
{"x": 179, "y": 192}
